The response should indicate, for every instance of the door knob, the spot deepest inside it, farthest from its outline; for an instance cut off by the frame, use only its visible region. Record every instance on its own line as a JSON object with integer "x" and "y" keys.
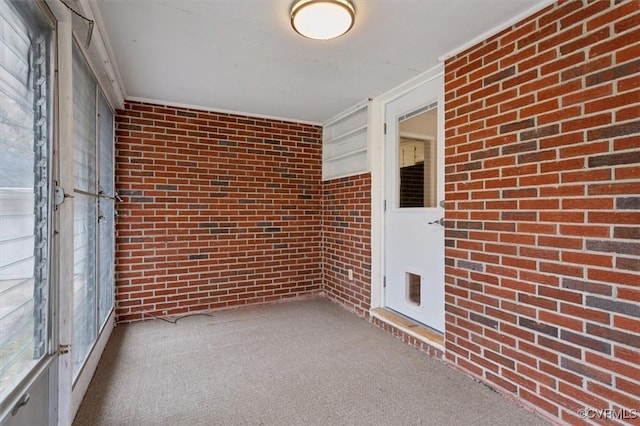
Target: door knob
{"x": 439, "y": 222}
{"x": 24, "y": 399}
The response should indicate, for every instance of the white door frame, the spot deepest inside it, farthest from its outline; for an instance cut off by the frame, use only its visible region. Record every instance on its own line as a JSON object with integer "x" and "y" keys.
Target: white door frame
{"x": 377, "y": 166}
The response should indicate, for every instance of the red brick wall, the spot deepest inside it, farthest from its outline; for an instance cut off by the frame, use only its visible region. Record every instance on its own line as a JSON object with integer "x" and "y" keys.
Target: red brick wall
{"x": 346, "y": 241}
{"x": 218, "y": 210}
{"x": 543, "y": 199}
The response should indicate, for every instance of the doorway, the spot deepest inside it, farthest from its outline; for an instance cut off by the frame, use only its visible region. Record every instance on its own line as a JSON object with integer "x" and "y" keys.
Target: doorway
{"x": 414, "y": 205}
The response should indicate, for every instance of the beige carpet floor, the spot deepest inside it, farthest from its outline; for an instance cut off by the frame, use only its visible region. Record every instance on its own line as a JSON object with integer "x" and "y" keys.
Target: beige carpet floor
{"x": 298, "y": 363}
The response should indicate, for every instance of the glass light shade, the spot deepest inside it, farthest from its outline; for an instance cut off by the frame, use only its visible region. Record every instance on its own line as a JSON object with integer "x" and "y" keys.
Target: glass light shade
{"x": 322, "y": 19}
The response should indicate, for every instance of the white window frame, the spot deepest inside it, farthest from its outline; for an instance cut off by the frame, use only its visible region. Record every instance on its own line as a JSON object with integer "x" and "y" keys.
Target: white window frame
{"x": 81, "y": 382}
{"x": 99, "y": 56}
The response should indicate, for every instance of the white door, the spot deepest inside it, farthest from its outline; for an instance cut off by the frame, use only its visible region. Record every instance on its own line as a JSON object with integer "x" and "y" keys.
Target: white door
{"x": 414, "y": 205}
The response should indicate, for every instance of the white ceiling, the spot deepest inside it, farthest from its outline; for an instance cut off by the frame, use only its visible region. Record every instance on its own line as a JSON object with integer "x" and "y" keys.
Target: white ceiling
{"x": 243, "y": 55}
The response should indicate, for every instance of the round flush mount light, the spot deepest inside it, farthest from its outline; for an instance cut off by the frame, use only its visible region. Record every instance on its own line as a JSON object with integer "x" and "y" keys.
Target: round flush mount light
{"x": 322, "y": 19}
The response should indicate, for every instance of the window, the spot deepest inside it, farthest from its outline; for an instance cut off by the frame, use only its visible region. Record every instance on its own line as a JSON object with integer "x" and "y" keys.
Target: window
{"x": 417, "y": 158}
{"x": 106, "y": 213}
{"x": 25, "y": 141}
{"x": 93, "y": 210}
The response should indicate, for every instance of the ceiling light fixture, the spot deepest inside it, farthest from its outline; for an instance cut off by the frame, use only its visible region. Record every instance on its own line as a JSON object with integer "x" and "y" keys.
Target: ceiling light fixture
{"x": 322, "y": 19}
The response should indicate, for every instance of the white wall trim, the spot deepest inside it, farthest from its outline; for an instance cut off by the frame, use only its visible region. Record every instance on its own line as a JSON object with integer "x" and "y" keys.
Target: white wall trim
{"x": 495, "y": 30}
{"x": 160, "y": 102}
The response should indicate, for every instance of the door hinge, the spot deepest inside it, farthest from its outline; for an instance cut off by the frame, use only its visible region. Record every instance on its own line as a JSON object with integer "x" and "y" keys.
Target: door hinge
{"x": 385, "y": 128}
{"x": 384, "y": 282}
{"x": 385, "y": 205}
{"x": 64, "y": 349}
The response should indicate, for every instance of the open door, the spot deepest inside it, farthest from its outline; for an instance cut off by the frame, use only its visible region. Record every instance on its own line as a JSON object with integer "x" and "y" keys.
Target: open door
{"x": 414, "y": 206}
